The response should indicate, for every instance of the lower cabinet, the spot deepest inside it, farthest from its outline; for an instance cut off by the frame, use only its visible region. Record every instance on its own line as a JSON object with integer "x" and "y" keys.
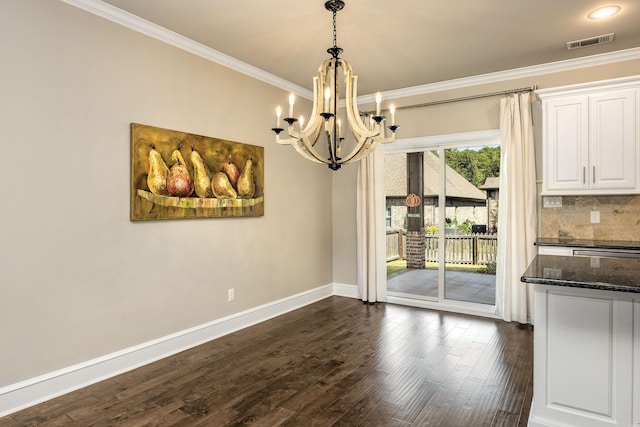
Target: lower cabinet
{"x": 636, "y": 364}
{"x": 586, "y": 358}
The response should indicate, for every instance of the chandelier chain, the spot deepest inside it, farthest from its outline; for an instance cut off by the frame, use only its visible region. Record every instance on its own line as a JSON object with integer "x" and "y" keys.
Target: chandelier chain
{"x": 335, "y": 31}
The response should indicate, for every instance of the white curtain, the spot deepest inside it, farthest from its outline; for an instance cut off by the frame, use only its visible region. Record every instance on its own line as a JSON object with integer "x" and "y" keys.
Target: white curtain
{"x": 370, "y": 228}
{"x": 516, "y": 210}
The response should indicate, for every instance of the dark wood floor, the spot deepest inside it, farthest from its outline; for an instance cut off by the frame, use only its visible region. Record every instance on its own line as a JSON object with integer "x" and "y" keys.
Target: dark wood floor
{"x": 337, "y": 362}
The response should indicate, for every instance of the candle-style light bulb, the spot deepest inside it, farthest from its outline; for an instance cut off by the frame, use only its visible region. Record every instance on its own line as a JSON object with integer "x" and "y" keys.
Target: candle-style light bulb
{"x": 292, "y": 100}
{"x": 278, "y": 114}
{"x": 301, "y": 121}
{"x": 378, "y": 100}
{"x": 327, "y": 96}
{"x": 392, "y": 109}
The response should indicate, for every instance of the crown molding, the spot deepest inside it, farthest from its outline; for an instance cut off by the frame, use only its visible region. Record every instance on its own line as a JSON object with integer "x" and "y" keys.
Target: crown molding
{"x": 516, "y": 73}
{"x": 131, "y": 21}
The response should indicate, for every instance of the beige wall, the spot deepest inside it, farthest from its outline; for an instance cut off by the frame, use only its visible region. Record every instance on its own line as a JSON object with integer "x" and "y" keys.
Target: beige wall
{"x": 466, "y": 116}
{"x": 79, "y": 280}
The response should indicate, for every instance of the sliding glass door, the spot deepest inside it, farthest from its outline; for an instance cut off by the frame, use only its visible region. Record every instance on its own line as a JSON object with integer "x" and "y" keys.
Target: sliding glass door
{"x": 470, "y": 240}
{"x": 459, "y": 209}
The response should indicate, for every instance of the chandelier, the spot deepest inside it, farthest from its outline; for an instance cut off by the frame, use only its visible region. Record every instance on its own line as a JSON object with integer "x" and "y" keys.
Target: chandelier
{"x": 368, "y": 129}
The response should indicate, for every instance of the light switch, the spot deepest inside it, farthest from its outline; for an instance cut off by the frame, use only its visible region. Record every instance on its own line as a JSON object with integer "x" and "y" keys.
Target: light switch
{"x": 595, "y": 217}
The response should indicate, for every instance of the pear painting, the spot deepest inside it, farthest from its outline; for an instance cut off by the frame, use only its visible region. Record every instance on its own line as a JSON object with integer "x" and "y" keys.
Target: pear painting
{"x": 177, "y": 175}
{"x": 231, "y": 170}
{"x": 158, "y": 172}
{"x": 179, "y": 181}
{"x": 222, "y": 187}
{"x": 246, "y": 184}
{"x": 201, "y": 175}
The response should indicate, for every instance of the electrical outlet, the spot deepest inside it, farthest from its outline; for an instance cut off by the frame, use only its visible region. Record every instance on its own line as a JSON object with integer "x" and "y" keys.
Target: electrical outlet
{"x": 552, "y": 273}
{"x": 595, "y": 217}
{"x": 231, "y": 294}
{"x": 552, "y": 201}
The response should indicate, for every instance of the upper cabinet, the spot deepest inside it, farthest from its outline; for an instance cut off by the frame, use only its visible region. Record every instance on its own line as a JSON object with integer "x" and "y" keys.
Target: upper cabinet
{"x": 591, "y": 134}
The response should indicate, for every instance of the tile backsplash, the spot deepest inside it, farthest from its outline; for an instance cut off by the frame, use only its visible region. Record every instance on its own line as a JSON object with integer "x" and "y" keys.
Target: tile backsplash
{"x": 619, "y": 218}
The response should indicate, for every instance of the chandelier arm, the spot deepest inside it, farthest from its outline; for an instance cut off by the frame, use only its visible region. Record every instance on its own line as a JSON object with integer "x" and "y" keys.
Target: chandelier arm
{"x": 369, "y": 149}
{"x": 360, "y": 155}
{"x": 304, "y": 141}
{"x": 317, "y": 105}
{"x": 284, "y": 141}
{"x": 309, "y": 155}
{"x": 307, "y": 138}
{"x": 351, "y": 104}
{"x": 294, "y": 137}
{"x": 301, "y": 144}
{"x": 360, "y": 145}
{"x": 367, "y": 138}
{"x": 311, "y": 137}
{"x": 311, "y": 131}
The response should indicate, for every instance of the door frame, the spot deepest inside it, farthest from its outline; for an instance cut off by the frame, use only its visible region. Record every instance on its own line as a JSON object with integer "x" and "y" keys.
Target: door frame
{"x": 445, "y": 141}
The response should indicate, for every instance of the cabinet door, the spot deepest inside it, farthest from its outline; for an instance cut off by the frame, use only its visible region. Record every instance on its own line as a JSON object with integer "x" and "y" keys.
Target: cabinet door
{"x": 612, "y": 148}
{"x": 566, "y": 144}
{"x": 583, "y": 358}
{"x": 636, "y": 363}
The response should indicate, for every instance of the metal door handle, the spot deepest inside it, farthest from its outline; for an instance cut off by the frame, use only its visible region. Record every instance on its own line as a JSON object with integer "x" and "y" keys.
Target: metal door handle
{"x": 584, "y": 174}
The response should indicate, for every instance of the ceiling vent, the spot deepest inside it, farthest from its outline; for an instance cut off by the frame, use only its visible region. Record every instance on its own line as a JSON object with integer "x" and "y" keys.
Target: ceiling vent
{"x": 592, "y": 41}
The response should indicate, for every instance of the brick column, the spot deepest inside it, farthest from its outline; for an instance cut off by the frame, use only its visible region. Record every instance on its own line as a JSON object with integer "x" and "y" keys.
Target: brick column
{"x": 415, "y": 252}
{"x": 415, "y": 225}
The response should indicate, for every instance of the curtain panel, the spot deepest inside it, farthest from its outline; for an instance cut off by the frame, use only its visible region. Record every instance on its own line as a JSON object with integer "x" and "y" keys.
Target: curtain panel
{"x": 370, "y": 228}
{"x": 517, "y": 209}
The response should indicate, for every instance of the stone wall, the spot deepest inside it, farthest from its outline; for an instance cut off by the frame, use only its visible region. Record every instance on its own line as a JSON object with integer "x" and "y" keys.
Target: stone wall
{"x": 619, "y": 218}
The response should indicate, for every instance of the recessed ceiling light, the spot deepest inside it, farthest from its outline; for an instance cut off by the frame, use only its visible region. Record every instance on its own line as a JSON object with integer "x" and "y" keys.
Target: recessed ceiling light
{"x": 604, "y": 12}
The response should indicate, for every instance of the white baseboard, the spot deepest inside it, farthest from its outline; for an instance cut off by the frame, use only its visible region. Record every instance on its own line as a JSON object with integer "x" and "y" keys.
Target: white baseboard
{"x": 36, "y": 390}
{"x": 536, "y": 422}
{"x": 344, "y": 290}
{"x": 45, "y": 387}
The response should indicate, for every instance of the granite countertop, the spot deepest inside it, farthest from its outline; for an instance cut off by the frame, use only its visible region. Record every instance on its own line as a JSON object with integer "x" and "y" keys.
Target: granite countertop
{"x": 609, "y": 274}
{"x": 588, "y": 243}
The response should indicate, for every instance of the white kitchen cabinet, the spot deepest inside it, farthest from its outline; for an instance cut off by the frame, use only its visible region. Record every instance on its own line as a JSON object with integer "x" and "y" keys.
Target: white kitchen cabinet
{"x": 584, "y": 358}
{"x": 591, "y": 134}
{"x": 636, "y": 364}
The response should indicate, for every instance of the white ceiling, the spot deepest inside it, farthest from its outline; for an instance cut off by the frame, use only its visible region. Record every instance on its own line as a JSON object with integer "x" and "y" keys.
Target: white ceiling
{"x": 393, "y": 44}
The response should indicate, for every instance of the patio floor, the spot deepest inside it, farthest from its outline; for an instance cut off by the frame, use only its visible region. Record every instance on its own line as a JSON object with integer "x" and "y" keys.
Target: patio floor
{"x": 460, "y": 286}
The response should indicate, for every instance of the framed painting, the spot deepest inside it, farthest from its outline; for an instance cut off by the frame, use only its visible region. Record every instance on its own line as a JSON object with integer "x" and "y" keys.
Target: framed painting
{"x": 181, "y": 175}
